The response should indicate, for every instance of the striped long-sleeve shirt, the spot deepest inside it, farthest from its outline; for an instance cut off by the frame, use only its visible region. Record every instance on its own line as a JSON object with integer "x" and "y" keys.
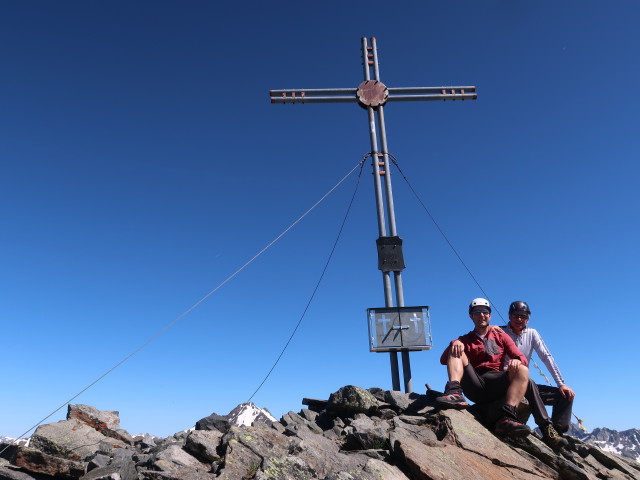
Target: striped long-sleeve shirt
{"x": 530, "y": 340}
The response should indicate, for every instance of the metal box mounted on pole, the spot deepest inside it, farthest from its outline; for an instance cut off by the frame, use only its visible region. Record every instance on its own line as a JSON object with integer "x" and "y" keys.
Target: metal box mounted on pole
{"x": 399, "y": 328}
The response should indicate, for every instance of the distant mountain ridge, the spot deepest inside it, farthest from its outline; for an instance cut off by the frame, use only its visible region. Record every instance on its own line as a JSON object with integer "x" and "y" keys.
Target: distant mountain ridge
{"x": 22, "y": 442}
{"x": 625, "y": 443}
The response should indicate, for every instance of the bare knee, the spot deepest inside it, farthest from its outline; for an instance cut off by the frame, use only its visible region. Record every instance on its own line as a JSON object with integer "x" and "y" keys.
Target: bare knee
{"x": 521, "y": 374}
{"x": 461, "y": 360}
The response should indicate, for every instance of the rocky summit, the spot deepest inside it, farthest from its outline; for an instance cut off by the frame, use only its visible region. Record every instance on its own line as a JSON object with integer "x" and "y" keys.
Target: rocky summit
{"x": 357, "y": 434}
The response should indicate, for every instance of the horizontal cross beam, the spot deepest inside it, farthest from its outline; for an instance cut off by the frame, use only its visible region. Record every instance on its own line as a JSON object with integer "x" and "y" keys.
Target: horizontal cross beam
{"x": 396, "y": 94}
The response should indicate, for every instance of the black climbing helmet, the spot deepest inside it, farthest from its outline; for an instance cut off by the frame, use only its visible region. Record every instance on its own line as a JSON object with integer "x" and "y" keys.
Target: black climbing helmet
{"x": 519, "y": 307}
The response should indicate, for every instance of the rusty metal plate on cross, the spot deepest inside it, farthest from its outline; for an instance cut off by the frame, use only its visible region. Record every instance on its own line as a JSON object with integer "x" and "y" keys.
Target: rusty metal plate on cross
{"x": 372, "y": 93}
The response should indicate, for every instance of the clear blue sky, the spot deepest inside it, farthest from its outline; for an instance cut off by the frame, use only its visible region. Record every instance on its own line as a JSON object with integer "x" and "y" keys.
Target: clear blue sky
{"x": 142, "y": 164}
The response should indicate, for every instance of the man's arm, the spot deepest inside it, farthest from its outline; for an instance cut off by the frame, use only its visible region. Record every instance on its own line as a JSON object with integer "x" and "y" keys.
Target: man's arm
{"x": 510, "y": 348}
{"x": 545, "y": 355}
{"x": 455, "y": 348}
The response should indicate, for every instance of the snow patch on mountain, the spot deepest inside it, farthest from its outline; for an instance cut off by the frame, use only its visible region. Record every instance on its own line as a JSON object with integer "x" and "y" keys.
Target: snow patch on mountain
{"x": 23, "y": 442}
{"x": 625, "y": 443}
{"x": 248, "y": 413}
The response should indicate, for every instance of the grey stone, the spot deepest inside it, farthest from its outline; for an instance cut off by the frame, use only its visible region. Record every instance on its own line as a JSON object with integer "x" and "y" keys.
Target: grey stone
{"x": 472, "y": 436}
{"x": 333, "y": 434}
{"x": 71, "y": 439}
{"x": 174, "y": 459}
{"x": 440, "y": 460}
{"x": 36, "y": 461}
{"x": 239, "y": 462}
{"x": 413, "y": 419}
{"x": 324, "y": 456}
{"x": 387, "y": 413}
{"x": 214, "y": 422}
{"x": 309, "y": 415}
{"x": 556, "y": 463}
{"x": 367, "y": 433}
{"x": 287, "y": 467}
{"x": 112, "y": 472}
{"x": 98, "y": 460}
{"x": 292, "y": 418}
{"x": 13, "y": 473}
{"x": 277, "y": 426}
{"x": 105, "y": 422}
{"x": 180, "y": 474}
{"x": 145, "y": 441}
{"x": 120, "y": 466}
{"x": 421, "y": 404}
{"x": 350, "y": 400}
{"x": 406, "y": 430}
{"x": 383, "y": 471}
{"x": 377, "y": 392}
{"x": 397, "y": 399}
{"x": 203, "y": 444}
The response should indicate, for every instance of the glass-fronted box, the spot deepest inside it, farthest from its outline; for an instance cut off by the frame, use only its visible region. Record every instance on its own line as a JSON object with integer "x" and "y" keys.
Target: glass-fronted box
{"x": 399, "y": 328}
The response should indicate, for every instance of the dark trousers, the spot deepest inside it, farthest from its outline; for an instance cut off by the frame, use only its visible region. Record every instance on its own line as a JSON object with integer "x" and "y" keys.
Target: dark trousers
{"x": 561, "y": 413}
{"x": 490, "y": 385}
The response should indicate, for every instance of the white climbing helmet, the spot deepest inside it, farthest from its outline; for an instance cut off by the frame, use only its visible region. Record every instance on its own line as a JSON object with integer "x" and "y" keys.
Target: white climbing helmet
{"x": 479, "y": 302}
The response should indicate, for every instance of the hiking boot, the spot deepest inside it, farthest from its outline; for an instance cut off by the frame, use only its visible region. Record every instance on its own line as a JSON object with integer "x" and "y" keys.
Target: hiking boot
{"x": 552, "y": 438}
{"x": 509, "y": 426}
{"x": 453, "y": 400}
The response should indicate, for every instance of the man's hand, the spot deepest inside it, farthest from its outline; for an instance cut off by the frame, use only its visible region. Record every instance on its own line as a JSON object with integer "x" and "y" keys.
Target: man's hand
{"x": 567, "y": 392}
{"x": 496, "y": 328}
{"x": 457, "y": 349}
{"x": 514, "y": 365}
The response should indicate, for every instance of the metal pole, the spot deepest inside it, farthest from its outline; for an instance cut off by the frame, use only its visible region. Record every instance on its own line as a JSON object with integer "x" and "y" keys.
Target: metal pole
{"x": 382, "y": 230}
{"x": 406, "y": 362}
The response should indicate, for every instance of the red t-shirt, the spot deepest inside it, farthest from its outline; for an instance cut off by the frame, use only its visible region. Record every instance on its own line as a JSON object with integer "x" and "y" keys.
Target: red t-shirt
{"x": 488, "y": 353}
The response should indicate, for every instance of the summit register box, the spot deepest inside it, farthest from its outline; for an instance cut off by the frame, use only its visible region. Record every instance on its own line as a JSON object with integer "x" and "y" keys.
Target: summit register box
{"x": 393, "y": 329}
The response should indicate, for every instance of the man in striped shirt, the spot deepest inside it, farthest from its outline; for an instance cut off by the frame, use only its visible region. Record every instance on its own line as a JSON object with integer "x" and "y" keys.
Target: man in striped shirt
{"x": 527, "y": 340}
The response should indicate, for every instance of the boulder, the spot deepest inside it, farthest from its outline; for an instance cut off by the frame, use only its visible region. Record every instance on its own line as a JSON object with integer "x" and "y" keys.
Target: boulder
{"x": 36, "y": 461}
{"x": 399, "y": 400}
{"x": 72, "y": 439}
{"x": 105, "y": 422}
{"x": 203, "y": 444}
{"x": 367, "y": 433}
{"x": 174, "y": 459}
{"x": 351, "y": 399}
{"x": 14, "y": 473}
{"x": 214, "y": 422}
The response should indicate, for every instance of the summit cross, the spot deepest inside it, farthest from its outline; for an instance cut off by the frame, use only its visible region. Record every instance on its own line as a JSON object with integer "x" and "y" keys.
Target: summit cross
{"x": 373, "y": 95}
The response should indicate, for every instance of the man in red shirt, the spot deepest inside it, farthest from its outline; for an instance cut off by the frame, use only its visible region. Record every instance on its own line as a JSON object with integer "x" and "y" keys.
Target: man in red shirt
{"x": 474, "y": 363}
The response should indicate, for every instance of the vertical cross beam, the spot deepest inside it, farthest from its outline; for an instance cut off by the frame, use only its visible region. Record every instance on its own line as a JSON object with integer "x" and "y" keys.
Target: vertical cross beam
{"x": 372, "y": 94}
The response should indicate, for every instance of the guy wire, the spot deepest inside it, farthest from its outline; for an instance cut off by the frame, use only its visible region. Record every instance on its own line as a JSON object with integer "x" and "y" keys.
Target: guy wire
{"x": 191, "y": 308}
{"x": 326, "y": 265}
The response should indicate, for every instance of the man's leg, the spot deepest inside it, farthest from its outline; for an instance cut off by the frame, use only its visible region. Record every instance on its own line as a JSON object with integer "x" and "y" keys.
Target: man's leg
{"x": 536, "y": 404}
{"x": 561, "y": 414}
{"x": 518, "y": 381}
{"x": 549, "y": 434}
{"x": 453, "y": 390}
{"x": 517, "y": 388}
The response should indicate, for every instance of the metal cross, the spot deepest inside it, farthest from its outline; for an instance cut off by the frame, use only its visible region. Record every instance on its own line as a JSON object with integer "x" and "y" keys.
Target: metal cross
{"x": 373, "y": 95}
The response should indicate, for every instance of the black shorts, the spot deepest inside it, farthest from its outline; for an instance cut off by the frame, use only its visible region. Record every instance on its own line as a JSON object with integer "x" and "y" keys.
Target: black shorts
{"x": 486, "y": 386}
